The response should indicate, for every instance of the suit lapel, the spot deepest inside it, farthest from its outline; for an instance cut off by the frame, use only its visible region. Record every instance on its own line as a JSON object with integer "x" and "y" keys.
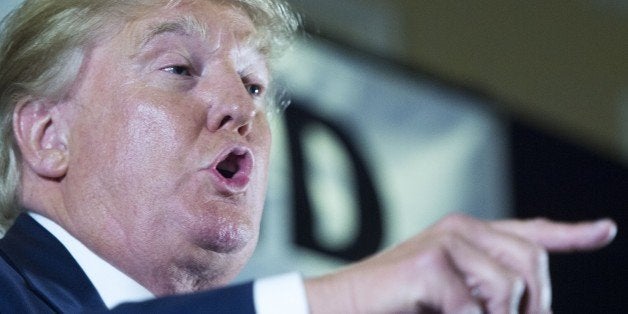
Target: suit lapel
{"x": 48, "y": 268}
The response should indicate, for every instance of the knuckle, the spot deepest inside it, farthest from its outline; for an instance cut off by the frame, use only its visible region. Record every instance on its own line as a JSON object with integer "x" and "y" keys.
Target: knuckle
{"x": 433, "y": 258}
{"x": 452, "y": 221}
{"x": 436, "y": 255}
{"x": 539, "y": 222}
{"x": 447, "y": 239}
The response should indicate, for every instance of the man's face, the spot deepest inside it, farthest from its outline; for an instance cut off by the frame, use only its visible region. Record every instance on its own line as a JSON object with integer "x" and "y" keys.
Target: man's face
{"x": 169, "y": 147}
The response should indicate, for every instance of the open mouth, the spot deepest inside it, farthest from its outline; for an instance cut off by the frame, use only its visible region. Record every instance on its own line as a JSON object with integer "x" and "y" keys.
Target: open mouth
{"x": 230, "y": 166}
{"x": 232, "y": 171}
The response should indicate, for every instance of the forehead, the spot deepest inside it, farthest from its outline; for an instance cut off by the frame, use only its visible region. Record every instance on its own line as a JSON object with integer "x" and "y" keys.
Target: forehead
{"x": 204, "y": 19}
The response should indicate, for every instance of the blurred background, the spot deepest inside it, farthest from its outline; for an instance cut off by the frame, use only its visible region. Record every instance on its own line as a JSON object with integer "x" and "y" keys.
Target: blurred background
{"x": 404, "y": 111}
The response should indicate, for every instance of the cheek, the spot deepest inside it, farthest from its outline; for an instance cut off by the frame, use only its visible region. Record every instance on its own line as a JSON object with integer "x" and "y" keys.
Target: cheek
{"x": 137, "y": 148}
{"x": 152, "y": 133}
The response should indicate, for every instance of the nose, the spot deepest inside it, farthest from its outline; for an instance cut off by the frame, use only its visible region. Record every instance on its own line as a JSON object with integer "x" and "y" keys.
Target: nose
{"x": 232, "y": 117}
{"x": 232, "y": 110}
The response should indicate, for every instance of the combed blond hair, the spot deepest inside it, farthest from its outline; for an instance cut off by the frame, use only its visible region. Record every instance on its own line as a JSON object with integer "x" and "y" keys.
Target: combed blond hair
{"x": 43, "y": 44}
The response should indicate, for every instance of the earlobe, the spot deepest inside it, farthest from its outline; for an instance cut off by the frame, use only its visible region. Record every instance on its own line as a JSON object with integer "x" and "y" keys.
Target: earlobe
{"x": 41, "y": 137}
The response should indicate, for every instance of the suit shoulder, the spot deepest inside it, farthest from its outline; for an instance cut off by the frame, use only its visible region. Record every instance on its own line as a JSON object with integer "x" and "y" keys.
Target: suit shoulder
{"x": 17, "y": 296}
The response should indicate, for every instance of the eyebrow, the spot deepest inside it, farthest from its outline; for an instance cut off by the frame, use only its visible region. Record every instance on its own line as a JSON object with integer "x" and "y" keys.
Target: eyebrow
{"x": 184, "y": 26}
{"x": 187, "y": 26}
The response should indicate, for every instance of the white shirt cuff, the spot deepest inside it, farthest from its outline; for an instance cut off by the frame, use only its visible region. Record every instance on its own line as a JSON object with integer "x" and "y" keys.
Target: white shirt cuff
{"x": 280, "y": 294}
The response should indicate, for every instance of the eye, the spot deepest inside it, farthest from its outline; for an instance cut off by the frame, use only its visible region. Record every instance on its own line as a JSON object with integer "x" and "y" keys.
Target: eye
{"x": 178, "y": 70}
{"x": 254, "y": 90}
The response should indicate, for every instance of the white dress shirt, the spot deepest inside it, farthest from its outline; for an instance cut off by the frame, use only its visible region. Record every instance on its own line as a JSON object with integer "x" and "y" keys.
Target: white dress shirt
{"x": 278, "y": 294}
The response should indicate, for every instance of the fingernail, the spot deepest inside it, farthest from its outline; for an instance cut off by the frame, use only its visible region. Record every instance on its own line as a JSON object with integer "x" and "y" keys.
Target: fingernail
{"x": 613, "y": 232}
{"x": 610, "y": 226}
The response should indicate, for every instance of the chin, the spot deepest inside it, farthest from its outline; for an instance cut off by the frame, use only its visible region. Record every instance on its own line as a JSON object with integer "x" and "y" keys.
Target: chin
{"x": 226, "y": 237}
{"x": 202, "y": 268}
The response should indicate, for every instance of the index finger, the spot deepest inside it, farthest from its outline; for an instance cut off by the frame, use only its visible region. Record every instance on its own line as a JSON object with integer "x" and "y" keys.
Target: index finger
{"x": 561, "y": 236}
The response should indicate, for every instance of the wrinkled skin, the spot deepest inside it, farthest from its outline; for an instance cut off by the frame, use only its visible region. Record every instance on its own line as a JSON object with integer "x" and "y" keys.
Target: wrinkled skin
{"x": 166, "y": 143}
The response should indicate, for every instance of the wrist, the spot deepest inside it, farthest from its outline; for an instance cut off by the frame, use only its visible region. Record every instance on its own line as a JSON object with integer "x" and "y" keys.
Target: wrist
{"x": 330, "y": 294}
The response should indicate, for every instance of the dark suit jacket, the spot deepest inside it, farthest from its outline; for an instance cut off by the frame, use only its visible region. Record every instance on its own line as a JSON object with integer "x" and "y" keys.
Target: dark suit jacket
{"x": 38, "y": 275}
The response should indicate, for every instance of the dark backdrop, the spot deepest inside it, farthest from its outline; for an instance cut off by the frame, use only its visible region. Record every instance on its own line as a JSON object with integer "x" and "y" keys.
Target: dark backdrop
{"x": 561, "y": 180}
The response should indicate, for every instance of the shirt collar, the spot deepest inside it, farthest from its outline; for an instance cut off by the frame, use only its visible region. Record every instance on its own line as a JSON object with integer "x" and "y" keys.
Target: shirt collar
{"x": 113, "y": 286}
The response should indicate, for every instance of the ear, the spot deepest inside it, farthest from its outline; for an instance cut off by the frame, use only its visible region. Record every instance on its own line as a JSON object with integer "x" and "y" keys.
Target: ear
{"x": 41, "y": 137}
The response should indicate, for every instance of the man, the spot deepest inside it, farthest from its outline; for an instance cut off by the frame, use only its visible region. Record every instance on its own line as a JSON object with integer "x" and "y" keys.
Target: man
{"x": 135, "y": 144}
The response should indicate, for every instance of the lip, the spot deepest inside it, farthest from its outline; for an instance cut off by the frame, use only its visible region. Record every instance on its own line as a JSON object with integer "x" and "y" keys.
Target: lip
{"x": 231, "y": 170}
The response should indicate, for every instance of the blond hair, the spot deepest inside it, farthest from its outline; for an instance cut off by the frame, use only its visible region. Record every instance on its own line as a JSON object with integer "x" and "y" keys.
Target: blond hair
{"x": 43, "y": 44}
